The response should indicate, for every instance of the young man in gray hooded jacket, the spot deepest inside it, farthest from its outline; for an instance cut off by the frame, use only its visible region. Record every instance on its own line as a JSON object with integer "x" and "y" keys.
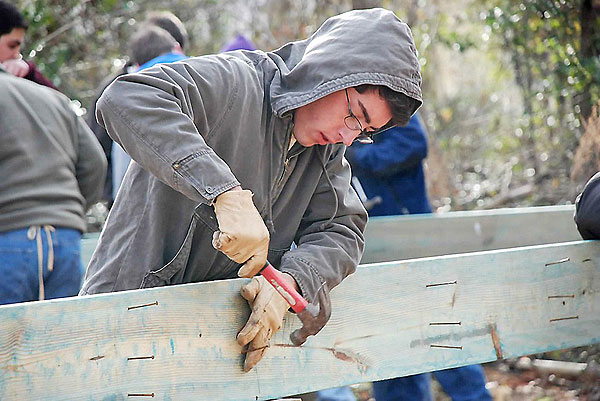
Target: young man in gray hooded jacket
{"x": 237, "y": 156}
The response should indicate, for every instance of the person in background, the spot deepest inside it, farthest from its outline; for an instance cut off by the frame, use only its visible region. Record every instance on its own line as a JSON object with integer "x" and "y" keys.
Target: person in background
{"x": 51, "y": 169}
{"x": 239, "y": 42}
{"x": 12, "y": 36}
{"x": 170, "y": 23}
{"x": 173, "y": 25}
{"x": 153, "y": 45}
{"x": 587, "y": 209}
{"x": 391, "y": 171}
{"x": 149, "y": 46}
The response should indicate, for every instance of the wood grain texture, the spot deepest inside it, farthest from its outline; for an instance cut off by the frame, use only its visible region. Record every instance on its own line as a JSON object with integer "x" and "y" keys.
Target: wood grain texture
{"x": 385, "y": 323}
{"x": 88, "y": 246}
{"x": 417, "y": 236}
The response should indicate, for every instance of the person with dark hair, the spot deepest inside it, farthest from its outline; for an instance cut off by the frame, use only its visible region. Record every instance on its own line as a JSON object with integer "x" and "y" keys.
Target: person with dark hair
{"x": 12, "y": 35}
{"x": 170, "y": 23}
{"x": 151, "y": 41}
{"x": 239, "y": 157}
{"x": 51, "y": 169}
{"x": 587, "y": 209}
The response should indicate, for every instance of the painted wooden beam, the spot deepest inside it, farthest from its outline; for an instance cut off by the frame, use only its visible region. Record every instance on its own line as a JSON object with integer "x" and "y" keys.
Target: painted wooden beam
{"x": 88, "y": 246}
{"x": 389, "y": 320}
{"x": 416, "y": 236}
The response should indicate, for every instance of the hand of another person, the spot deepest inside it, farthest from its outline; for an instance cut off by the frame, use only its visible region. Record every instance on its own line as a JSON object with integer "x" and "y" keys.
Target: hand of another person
{"x": 242, "y": 234}
{"x": 268, "y": 309}
{"x": 16, "y": 67}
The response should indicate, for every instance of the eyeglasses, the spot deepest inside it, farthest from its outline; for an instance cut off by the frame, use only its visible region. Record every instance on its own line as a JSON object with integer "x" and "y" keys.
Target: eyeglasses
{"x": 354, "y": 124}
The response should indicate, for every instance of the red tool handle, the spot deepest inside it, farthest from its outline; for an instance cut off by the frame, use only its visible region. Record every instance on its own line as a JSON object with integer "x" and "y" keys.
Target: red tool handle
{"x": 275, "y": 278}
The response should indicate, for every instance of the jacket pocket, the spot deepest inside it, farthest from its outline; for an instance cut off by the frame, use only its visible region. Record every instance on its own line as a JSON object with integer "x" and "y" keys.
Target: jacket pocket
{"x": 172, "y": 272}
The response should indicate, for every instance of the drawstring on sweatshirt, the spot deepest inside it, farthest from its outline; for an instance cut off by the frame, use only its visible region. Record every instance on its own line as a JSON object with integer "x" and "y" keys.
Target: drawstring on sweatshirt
{"x": 324, "y": 225}
{"x": 269, "y": 219}
{"x": 269, "y": 222}
{"x": 35, "y": 232}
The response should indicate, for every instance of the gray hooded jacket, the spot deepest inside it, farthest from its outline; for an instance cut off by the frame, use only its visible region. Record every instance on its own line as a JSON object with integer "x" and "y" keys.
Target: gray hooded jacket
{"x": 51, "y": 165}
{"x": 202, "y": 126}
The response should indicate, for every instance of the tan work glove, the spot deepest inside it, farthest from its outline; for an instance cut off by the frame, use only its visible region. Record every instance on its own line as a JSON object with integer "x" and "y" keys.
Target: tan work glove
{"x": 242, "y": 234}
{"x": 268, "y": 309}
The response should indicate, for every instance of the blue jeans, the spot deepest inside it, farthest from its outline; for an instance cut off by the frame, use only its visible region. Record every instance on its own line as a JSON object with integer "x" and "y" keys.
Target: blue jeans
{"x": 25, "y": 253}
{"x": 336, "y": 394}
{"x": 466, "y": 383}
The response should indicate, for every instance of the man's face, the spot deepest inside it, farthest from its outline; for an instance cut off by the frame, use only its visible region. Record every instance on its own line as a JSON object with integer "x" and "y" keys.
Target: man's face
{"x": 10, "y": 44}
{"x": 322, "y": 121}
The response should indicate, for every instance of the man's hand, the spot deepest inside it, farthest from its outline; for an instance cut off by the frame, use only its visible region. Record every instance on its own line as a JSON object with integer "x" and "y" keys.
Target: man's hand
{"x": 268, "y": 309}
{"x": 242, "y": 234}
{"x": 16, "y": 67}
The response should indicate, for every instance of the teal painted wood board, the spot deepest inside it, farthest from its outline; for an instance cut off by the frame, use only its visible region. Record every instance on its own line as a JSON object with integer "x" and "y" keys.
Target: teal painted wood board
{"x": 88, "y": 246}
{"x": 416, "y": 236}
{"x": 389, "y": 320}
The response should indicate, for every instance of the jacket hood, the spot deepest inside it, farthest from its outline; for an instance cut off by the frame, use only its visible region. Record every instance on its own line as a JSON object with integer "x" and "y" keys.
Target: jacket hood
{"x": 358, "y": 47}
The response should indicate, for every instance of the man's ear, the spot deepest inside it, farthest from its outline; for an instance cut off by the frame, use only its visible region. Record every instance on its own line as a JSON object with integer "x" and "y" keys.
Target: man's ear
{"x": 177, "y": 48}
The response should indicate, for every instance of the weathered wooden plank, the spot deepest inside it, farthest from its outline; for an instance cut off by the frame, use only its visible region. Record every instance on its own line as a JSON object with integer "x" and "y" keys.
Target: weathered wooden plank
{"x": 88, "y": 246}
{"x": 388, "y": 321}
{"x": 416, "y": 236}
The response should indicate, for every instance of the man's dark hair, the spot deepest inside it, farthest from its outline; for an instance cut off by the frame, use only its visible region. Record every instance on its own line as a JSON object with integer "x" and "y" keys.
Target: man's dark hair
{"x": 10, "y": 18}
{"x": 170, "y": 23}
{"x": 149, "y": 42}
{"x": 401, "y": 105}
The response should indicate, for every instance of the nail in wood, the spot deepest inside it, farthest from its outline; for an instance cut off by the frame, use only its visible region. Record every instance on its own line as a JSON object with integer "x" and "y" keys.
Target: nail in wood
{"x": 557, "y": 262}
{"x": 142, "y": 306}
{"x": 564, "y": 318}
{"x": 446, "y": 346}
{"x": 438, "y": 284}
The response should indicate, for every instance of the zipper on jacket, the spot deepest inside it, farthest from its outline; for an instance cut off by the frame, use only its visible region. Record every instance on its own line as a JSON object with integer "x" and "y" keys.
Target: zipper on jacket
{"x": 285, "y": 158}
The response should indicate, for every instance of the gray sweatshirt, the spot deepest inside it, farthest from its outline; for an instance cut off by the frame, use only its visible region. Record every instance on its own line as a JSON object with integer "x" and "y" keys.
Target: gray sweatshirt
{"x": 199, "y": 127}
{"x": 51, "y": 165}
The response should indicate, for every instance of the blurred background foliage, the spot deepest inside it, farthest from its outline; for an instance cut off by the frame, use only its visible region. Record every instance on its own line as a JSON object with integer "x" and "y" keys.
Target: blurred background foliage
{"x": 509, "y": 86}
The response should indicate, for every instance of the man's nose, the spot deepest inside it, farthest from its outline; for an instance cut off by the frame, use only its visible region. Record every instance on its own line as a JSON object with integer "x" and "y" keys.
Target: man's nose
{"x": 348, "y": 136}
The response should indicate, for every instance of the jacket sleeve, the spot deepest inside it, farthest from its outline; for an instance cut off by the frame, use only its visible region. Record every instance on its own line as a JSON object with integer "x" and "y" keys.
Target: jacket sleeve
{"x": 90, "y": 168}
{"x": 161, "y": 116}
{"x": 331, "y": 236}
{"x": 395, "y": 150}
{"x": 587, "y": 209}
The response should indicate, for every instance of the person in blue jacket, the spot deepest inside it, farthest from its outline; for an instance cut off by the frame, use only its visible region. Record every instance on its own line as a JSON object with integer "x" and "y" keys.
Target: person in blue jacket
{"x": 391, "y": 170}
{"x": 392, "y": 182}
